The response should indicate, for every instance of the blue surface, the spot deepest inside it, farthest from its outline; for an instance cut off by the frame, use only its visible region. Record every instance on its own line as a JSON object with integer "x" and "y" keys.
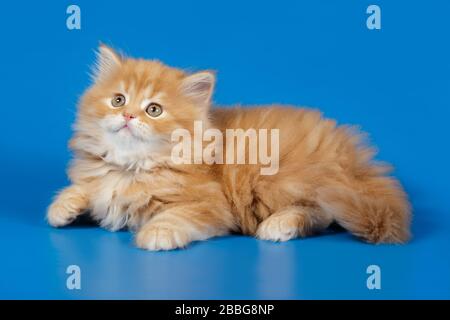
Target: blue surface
{"x": 393, "y": 82}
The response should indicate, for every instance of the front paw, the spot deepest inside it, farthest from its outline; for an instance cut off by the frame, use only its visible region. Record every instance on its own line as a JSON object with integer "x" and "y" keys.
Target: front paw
{"x": 60, "y": 214}
{"x": 156, "y": 238}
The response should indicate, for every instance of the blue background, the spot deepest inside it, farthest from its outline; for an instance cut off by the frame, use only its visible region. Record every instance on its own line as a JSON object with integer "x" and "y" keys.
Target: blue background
{"x": 393, "y": 82}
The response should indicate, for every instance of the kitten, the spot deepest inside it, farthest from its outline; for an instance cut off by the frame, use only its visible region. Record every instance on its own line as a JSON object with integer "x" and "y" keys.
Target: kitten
{"x": 123, "y": 175}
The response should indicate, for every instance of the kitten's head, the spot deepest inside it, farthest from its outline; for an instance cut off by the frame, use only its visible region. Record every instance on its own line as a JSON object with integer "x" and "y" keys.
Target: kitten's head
{"x": 131, "y": 110}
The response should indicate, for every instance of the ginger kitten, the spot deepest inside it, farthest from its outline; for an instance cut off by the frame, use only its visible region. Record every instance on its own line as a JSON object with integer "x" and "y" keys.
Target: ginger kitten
{"x": 123, "y": 174}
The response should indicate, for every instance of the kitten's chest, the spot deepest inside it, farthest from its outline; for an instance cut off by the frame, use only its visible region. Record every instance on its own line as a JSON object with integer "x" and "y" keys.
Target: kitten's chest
{"x": 119, "y": 199}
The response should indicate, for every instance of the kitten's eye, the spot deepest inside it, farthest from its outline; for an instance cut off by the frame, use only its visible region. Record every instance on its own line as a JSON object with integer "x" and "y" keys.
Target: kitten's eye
{"x": 154, "y": 110}
{"x": 118, "y": 100}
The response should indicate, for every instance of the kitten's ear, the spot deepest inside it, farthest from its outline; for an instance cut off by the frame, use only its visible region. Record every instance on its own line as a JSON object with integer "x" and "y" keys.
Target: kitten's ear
{"x": 199, "y": 86}
{"x": 107, "y": 62}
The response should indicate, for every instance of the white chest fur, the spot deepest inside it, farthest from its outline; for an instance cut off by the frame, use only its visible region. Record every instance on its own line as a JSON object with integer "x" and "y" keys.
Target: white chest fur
{"x": 108, "y": 205}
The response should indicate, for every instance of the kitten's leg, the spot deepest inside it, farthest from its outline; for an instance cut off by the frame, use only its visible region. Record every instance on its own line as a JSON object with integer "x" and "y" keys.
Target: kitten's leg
{"x": 67, "y": 205}
{"x": 292, "y": 222}
{"x": 178, "y": 226}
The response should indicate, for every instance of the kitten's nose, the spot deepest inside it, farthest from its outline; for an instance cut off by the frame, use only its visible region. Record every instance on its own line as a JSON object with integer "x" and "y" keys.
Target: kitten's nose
{"x": 128, "y": 116}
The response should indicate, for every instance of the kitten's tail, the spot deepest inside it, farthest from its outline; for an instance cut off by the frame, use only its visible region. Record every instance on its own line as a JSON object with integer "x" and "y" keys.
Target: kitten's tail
{"x": 377, "y": 211}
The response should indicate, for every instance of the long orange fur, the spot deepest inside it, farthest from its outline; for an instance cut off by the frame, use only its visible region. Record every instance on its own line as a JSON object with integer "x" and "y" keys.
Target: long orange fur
{"x": 326, "y": 172}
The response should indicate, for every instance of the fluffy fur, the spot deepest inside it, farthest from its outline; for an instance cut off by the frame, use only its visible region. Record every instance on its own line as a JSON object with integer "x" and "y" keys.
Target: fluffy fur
{"x": 124, "y": 177}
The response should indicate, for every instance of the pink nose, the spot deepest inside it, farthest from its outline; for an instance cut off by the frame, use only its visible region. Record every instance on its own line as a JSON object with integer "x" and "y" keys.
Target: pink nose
{"x": 128, "y": 116}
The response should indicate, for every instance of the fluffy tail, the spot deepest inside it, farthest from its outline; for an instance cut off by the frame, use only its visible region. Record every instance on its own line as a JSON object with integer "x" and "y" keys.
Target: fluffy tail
{"x": 376, "y": 210}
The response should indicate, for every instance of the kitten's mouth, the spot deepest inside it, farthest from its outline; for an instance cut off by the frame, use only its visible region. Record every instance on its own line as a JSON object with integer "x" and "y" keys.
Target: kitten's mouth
{"x": 127, "y": 130}
{"x": 124, "y": 127}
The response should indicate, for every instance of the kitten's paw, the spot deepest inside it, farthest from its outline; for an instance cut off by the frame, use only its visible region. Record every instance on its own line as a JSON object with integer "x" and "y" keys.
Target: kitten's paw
{"x": 70, "y": 203}
{"x": 59, "y": 214}
{"x": 157, "y": 238}
{"x": 63, "y": 211}
{"x": 279, "y": 228}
